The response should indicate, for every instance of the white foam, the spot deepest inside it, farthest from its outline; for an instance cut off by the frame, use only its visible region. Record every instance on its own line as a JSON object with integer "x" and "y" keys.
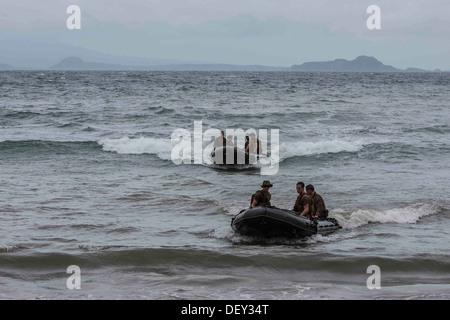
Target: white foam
{"x": 163, "y": 147}
{"x": 306, "y": 148}
{"x": 406, "y": 215}
{"x": 125, "y": 145}
{"x": 7, "y": 248}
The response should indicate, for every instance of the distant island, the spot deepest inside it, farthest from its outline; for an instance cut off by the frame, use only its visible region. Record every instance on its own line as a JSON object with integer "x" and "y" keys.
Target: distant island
{"x": 360, "y": 64}
{"x": 76, "y": 63}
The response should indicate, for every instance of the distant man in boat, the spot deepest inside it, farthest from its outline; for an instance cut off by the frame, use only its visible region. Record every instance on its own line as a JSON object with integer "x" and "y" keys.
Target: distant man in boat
{"x": 230, "y": 142}
{"x": 262, "y": 197}
{"x": 220, "y": 141}
{"x": 252, "y": 144}
{"x": 303, "y": 204}
{"x": 319, "y": 209}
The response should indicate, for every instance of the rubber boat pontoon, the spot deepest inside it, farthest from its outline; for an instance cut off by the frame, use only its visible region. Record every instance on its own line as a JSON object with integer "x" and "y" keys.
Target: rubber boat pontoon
{"x": 271, "y": 222}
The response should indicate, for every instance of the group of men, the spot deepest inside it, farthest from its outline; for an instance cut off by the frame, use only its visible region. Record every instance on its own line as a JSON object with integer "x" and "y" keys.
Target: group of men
{"x": 252, "y": 144}
{"x": 308, "y": 204}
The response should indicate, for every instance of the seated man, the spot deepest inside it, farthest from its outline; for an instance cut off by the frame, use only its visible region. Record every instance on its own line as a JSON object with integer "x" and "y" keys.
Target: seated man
{"x": 262, "y": 197}
{"x": 230, "y": 142}
{"x": 220, "y": 141}
{"x": 303, "y": 204}
{"x": 320, "y": 211}
{"x": 252, "y": 144}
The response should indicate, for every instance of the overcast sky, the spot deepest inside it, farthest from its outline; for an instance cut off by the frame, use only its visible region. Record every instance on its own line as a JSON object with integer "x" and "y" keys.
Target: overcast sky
{"x": 412, "y": 32}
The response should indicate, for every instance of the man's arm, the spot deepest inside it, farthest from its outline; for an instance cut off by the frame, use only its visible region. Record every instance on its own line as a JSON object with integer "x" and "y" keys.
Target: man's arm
{"x": 256, "y": 199}
{"x": 306, "y": 210}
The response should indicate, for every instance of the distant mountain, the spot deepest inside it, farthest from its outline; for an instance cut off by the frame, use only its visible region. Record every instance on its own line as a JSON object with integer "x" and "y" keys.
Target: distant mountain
{"x": 29, "y": 54}
{"x": 360, "y": 64}
{"x": 417, "y": 70}
{"x": 216, "y": 67}
{"x": 76, "y": 63}
{"x": 4, "y": 66}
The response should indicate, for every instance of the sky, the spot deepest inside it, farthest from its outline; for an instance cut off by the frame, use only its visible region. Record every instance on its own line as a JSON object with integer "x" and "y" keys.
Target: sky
{"x": 275, "y": 32}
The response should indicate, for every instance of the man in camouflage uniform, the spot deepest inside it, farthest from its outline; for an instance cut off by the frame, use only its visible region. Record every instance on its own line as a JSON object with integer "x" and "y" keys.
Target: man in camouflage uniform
{"x": 303, "y": 205}
{"x": 319, "y": 211}
{"x": 262, "y": 197}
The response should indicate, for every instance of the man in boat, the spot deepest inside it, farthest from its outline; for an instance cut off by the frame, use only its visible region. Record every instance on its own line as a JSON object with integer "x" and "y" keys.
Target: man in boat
{"x": 303, "y": 205}
{"x": 252, "y": 144}
{"x": 262, "y": 197}
{"x": 220, "y": 141}
{"x": 319, "y": 209}
{"x": 230, "y": 142}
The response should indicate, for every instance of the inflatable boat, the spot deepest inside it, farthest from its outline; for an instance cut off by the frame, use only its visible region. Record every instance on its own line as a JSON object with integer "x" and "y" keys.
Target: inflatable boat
{"x": 232, "y": 156}
{"x": 270, "y": 222}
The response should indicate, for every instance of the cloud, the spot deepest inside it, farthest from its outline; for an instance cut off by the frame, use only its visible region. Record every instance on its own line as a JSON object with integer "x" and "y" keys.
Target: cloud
{"x": 349, "y": 15}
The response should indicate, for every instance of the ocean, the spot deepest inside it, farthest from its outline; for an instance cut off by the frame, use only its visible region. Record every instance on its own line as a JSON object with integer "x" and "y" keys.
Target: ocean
{"x": 87, "y": 180}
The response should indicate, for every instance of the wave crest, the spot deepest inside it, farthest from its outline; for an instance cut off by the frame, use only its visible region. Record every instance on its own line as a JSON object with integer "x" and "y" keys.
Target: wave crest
{"x": 406, "y": 215}
{"x": 142, "y": 145}
{"x": 308, "y": 148}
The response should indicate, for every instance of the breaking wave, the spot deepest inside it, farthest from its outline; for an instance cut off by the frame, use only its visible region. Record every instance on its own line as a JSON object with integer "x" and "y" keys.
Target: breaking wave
{"x": 142, "y": 145}
{"x": 163, "y": 147}
{"x": 308, "y": 148}
{"x": 409, "y": 214}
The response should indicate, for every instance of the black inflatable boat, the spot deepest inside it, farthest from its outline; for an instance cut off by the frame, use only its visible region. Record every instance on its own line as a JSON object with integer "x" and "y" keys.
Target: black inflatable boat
{"x": 232, "y": 156}
{"x": 269, "y": 222}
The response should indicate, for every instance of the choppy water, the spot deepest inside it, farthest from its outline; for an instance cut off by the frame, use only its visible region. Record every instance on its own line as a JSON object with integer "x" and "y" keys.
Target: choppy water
{"x": 86, "y": 179}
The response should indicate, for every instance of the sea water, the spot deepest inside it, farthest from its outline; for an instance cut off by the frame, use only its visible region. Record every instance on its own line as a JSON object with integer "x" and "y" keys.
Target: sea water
{"x": 87, "y": 179}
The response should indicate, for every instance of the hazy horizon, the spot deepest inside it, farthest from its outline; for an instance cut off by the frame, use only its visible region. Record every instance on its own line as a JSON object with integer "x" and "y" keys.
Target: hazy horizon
{"x": 280, "y": 34}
